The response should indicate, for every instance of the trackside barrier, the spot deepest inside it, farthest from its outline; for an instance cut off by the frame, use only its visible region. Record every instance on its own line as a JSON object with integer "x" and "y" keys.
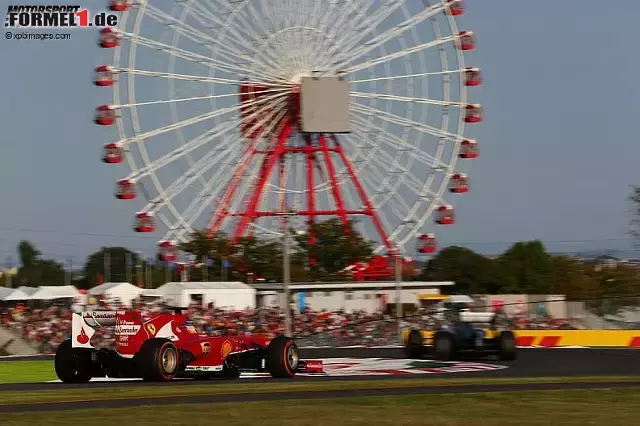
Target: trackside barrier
{"x": 589, "y": 338}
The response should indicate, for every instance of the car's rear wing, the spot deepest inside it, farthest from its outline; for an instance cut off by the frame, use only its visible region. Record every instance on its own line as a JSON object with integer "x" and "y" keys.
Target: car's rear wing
{"x": 85, "y": 324}
{"x": 477, "y": 317}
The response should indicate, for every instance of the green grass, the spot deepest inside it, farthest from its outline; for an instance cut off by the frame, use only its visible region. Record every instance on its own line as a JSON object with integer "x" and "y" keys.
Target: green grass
{"x": 53, "y": 394}
{"x": 618, "y": 407}
{"x": 27, "y": 371}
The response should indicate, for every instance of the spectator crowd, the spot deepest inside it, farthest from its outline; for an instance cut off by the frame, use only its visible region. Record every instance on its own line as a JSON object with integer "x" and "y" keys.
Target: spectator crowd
{"x": 46, "y": 327}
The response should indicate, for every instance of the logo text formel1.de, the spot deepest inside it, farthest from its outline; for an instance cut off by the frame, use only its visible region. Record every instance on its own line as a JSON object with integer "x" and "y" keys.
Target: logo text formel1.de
{"x": 56, "y": 16}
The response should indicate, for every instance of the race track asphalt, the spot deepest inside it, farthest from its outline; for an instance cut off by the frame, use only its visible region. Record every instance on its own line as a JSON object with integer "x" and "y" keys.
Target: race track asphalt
{"x": 530, "y": 363}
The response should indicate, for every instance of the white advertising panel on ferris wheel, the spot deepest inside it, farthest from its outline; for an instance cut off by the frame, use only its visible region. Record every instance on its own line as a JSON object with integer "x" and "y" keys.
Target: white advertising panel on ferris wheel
{"x": 214, "y": 125}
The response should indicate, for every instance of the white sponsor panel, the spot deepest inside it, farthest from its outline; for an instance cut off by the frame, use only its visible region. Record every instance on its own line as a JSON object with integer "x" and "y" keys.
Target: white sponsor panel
{"x": 127, "y": 330}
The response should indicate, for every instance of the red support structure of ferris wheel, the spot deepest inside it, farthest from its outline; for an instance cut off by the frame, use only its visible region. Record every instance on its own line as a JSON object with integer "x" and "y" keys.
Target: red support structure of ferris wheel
{"x": 326, "y": 147}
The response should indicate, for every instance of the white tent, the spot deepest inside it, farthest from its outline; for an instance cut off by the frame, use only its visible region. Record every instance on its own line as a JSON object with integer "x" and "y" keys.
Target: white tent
{"x": 4, "y": 292}
{"x": 229, "y": 295}
{"x": 55, "y": 292}
{"x": 126, "y": 292}
{"x": 21, "y": 293}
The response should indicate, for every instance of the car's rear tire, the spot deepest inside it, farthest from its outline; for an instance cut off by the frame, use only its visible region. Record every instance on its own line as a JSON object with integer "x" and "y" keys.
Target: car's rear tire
{"x": 282, "y": 357}
{"x": 72, "y": 365}
{"x": 158, "y": 360}
{"x": 413, "y": 349}
{"x": 507, "y": 346}
{"x": 444, "y": 346}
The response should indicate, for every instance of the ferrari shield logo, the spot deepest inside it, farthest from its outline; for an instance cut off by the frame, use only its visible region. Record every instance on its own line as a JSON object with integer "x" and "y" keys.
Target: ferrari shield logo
{"x": 226, "y": 349}
{"x": 206, "y": 347}
{"x": 151, "y": 329}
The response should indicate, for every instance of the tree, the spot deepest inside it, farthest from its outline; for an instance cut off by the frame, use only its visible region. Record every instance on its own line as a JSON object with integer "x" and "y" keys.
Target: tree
{"x": 572, "y": 279}
{"x": 471, "y": 272}
{"x": 334, "y": 249}
{"x": 28, "y": 253}
{"x": 94, "y": 268}
{"x": 616, "y": 287}
{"x": 531, "y": 266}
{"x": 35, "y": 271}
{"x": 216, "y": 248}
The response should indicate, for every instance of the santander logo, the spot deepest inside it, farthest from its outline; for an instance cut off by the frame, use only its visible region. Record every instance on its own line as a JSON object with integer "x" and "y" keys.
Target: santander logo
{"x": 82, "y": 338}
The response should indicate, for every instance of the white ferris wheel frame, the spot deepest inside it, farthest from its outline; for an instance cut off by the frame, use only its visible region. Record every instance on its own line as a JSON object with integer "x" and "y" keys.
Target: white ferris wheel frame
{"x": 180, "y": 229}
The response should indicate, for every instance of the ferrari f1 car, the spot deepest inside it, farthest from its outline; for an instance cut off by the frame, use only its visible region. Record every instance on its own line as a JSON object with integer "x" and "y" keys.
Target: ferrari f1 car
{"x": 456, "y": 333}
{"x": 167, "y": 346}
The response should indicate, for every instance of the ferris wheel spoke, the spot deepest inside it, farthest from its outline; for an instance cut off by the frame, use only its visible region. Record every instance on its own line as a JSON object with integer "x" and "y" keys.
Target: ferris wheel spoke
{"x": 190, "y": 121}
{"x": 407, "y": 76}
{"x": 212, "y": 12}
{"x": 274, "y": 56}
{"x": 332, "y": 27}
{"x": 170, "y": 101}
{"x": 199, "y": 141}
{"x": 181, "y": 151}
{"x": 396, "y": 119}
{"x": 193, "y": 173}
{"x": 392, "y": 168}
{"x": 238, "y": 34}
{"x": 397, "y": 55}
{"x": 191, "y": 56}
{"x": 401, "y": 145}
{"x": 362, "y": 26}
{"x": 395, "y": 98}
{"x": 368, "y": 183}
{"x": 397, "y": 31}
{"x": 195, "y": 209}
{"x": 186, "y": 77}
{"x": 191, "y": 33}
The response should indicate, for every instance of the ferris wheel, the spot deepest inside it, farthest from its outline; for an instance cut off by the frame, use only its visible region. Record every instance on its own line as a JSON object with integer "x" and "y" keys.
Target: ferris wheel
{"x": 232, "y": 115}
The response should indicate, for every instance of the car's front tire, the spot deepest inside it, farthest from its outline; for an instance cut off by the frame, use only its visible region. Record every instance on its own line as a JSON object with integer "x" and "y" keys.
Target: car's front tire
{"x": 507, "y": 346}
{"x": 413, "y": 349}
{"x": 444, "y": 346}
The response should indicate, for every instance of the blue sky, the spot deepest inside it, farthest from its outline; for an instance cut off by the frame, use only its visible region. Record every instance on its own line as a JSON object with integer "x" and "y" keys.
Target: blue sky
{"x": 558, "y": 145}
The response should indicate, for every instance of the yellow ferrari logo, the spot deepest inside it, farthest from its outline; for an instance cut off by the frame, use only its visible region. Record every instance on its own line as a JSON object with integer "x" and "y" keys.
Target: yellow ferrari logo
{"x": 151, "y": 329}
{"x": 206, "y": 347}
{"x": 226, "y": 349}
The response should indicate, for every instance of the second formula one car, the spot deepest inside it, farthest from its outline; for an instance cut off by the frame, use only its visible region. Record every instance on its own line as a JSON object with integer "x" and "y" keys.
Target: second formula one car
{"x": 167, "y": 346}
{"x": 459, "y": 333}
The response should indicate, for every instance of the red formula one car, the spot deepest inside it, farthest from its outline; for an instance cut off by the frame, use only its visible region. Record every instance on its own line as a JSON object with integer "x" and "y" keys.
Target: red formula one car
{"x": 167, "y": 346}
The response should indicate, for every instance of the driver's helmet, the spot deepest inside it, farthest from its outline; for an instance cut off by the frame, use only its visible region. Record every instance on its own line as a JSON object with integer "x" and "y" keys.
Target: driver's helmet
{"x": 189, "y": 327}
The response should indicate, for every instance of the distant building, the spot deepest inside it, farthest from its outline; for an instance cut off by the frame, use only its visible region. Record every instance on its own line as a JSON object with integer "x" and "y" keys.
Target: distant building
{"x": 369, "y": 296}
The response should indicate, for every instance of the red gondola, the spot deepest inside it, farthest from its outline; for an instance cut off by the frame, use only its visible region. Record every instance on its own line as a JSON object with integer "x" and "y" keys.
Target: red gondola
{"x": 427, "y": 243}
{"x": 126, "y": 189}
{"x": 459, "y": 183}
{"x": 445, "y": 215}
{"x": 112, "y": 153}
{"x": 104, "y": 76}
{"x": 119, "y": 5}
{"x": 472, "y": 77}
{"x": 108, "y": 38}
{"x": 474, "y": 113}
{"x": 105, "y": 115}
{"x": 455, "y": 8}
{"x": 167, "y": 251}
{"x": 144, "y": 222}
{"x": 466, "y": 40}
{"x": 469, "y": 149}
